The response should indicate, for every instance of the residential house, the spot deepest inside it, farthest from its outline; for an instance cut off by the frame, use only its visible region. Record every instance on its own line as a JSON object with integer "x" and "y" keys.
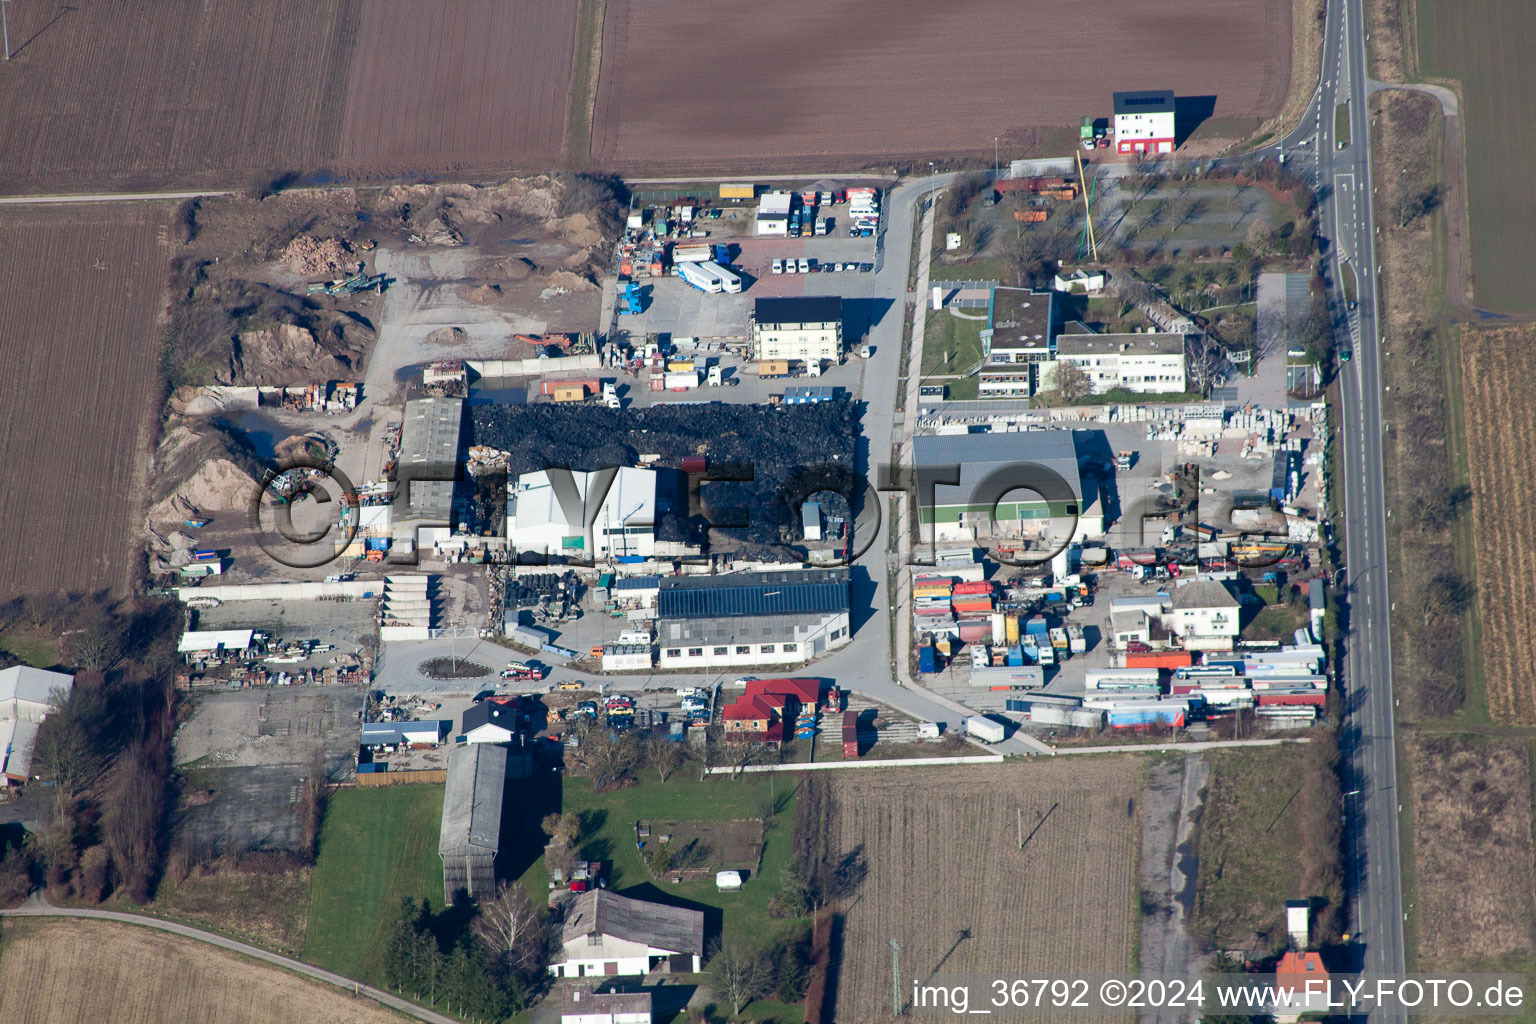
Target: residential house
{"x": 581, "y": 1005}
{"x": 754, "y": 719}
{"x": 1204, "y": 614}
{"x": 490, "y": 721}
{"x": 1302, "y": 987}
{"x": 608, "y": 935}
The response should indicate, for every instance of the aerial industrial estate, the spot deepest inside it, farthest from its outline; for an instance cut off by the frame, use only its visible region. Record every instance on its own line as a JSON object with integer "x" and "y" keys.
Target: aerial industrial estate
{"x": 699, "y": 583}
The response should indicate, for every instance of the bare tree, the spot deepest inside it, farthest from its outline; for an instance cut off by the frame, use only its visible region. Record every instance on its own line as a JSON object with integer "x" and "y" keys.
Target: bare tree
{"x": 514, "y": 931}
{"x": 1072, "y": 384}
{"x": 665, "y": 756}
{"x": 738, "y": 973}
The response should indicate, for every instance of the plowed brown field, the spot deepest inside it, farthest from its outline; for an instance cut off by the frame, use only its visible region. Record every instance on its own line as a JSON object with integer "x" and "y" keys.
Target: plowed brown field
{"x": 80, "y": 290}
{"x": 184, "y": 92}
{"x": 1497, "y": 367}
{"x": 685, "y": 84}
{"x": 221, "y": 93}
{"x": 61, "y": 971}
{"x": 439, "y": 88}
{"x": 948, "y": 881}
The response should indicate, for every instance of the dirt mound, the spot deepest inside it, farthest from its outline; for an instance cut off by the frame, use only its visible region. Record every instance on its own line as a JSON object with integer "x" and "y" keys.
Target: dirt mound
{"x": 448, "y": 337}
{"x": 571, "y": 282}
{"x": 233, "y": 331}
{"x": 290, "y": 354}
{"x": 330, "y": 257}
{"x": 480, "y": 294}
{"x": 205, "y": 465}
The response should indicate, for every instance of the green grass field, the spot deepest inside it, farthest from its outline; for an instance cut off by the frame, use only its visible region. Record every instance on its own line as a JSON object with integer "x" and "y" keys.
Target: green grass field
{"x": 951, "y": 344}
{"x": 1248, "y": 844}
{"x": 1341, "y": 125}
{"x": 684, "y": 798}
{"x": 1479, "y": 45}
{"x": 376, "y": 846}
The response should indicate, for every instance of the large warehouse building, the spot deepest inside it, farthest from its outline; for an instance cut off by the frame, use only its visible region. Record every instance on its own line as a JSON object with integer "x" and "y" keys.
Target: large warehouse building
{"x": 752, "y": 618}
{"x": 992, "y": 502}
{"x": 609, "y": 513}
{"x": 809, "y": 328}
{"x": 429, "y": 456}
{"x": 471, "y": 829}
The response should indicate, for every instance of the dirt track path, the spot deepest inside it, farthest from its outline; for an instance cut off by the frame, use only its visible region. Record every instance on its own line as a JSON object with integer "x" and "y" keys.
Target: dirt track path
{"x": 36, "y": 907}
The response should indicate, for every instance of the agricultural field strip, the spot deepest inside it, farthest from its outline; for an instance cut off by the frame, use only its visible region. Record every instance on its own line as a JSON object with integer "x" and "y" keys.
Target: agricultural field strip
{"x": 1501, "y": 428}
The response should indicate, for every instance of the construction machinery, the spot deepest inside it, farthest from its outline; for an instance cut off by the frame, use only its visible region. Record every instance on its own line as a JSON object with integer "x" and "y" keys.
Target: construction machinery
{"x": 358, "y": 282}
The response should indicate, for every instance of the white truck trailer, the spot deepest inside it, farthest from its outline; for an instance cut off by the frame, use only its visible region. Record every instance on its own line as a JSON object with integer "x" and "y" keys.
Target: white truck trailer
{"x": 984, "y": 729}
{"x": 696, "y": 275}
{"x": 730, "y": 283}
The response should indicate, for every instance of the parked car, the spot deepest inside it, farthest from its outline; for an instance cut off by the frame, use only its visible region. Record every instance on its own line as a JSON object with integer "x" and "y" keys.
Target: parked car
{"x": 778, "y": 266}
{"x": 805, "y": 265}
{"x": 867, "y": 268}
{"x": 483, "y": 695}
{"x": 1137, "y": 647}
{"x": 791, "y": 267}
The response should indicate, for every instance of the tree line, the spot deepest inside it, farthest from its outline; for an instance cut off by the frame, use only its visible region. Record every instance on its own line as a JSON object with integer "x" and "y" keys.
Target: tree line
{"x": 104, "y": 750}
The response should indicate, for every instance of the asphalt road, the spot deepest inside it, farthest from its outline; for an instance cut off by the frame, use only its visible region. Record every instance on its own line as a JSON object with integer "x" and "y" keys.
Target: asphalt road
{"x": 1346, "y": 210}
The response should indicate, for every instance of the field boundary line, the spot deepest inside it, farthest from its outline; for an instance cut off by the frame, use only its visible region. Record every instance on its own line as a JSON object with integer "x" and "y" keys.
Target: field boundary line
{"x": 111, "y": 197}
{"x": 889, "y": 762}
{"x": 1148, "y": 748}
{"x": 380, "y": 996}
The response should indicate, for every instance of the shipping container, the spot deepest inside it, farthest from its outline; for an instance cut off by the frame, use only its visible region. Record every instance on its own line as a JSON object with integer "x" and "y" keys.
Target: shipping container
{"x": 205, "y": 556}
{"x": 926, "y": 662}
{"x": 1173, "y": 717}
{"x": 1159, "y": 659}
{"x": 686, "y": 381}
{"x": 682, "y": 254}
{"x": 569, "y": 393}
{"x": 694, "y": 464}
{"x": 973, "y": 588}
{"x": 547, "y": 387}
{"x": 1101, "y": 678}
{"x": 1314, "y": 698}
{"x": 739, "y": 191}
{"x": 773, "y": 368}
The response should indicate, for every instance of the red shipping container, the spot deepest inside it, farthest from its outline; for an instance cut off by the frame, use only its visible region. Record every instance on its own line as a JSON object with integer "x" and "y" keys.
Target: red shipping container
{"x": 979, "y": 587}
{"x": 1178, "y": 688}
{"x": 850, "y": 734}
{"x": 1316, "y": 698}
{"x": 1160, "y": 659}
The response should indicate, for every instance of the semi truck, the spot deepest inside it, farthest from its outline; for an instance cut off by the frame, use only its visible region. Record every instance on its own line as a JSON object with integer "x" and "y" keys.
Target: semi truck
{"x": 984, "y": 729}
{"x": 698, "y": 277}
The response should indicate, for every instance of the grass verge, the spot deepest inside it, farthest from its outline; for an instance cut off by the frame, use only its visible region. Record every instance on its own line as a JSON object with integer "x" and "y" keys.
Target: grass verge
{"x": 586, "y": 67}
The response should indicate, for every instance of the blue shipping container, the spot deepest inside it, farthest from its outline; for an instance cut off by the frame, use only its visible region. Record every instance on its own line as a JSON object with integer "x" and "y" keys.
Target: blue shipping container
{"x": 925, "y": 659}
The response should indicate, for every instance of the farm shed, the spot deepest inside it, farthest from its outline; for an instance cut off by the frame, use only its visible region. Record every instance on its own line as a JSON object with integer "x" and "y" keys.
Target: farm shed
{"x": 583, "y": 1006}
{"x": 606, "y": 934}
{"x": 26, "y": 692}
{"x": 471, "y": 829}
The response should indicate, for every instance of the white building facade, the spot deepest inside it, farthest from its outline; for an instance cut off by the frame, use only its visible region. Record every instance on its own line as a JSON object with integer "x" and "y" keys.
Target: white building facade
{"x": 807, "y": 328}
{"x": 1144, "y": 363}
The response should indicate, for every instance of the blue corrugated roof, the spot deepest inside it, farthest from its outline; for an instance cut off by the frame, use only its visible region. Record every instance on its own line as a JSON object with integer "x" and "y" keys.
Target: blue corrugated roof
{"x": 754, "y": 593}
{"x": 637, "y": 583}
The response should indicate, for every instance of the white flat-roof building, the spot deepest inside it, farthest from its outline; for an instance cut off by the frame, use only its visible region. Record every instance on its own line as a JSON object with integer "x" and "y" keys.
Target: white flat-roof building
{"x": 808, "y": 327}
{"x": 1144, "y": 363}
{"x": 609, "y": 513}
